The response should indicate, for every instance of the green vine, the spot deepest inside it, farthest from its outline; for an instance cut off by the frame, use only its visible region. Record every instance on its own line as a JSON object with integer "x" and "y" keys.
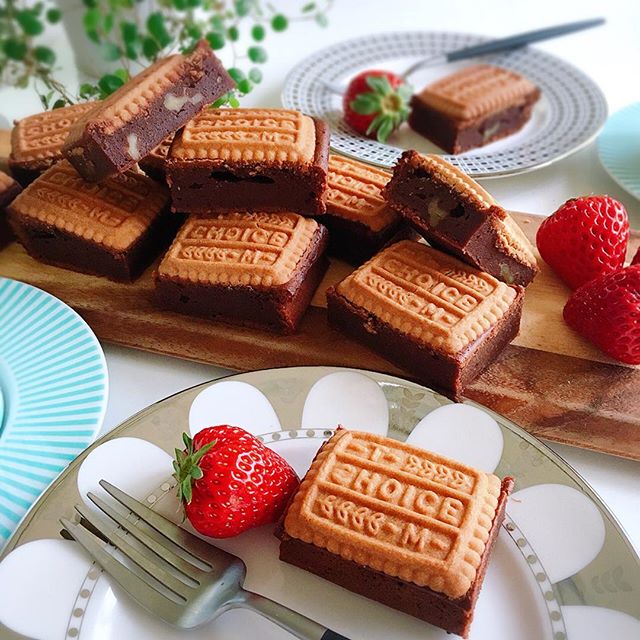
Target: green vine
{"x": 131, "y": 43}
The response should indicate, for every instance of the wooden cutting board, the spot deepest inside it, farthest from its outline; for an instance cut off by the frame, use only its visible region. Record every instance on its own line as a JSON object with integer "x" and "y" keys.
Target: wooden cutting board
{"x": 549, "y": 381}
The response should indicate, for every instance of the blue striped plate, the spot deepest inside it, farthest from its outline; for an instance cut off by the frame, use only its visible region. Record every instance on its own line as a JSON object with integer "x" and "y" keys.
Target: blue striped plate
{"x": 619, "y": 148}
{"x": 53, "y": 394}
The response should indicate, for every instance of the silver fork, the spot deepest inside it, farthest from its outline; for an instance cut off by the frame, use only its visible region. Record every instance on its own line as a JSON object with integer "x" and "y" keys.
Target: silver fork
{"x": 173, "y": 574}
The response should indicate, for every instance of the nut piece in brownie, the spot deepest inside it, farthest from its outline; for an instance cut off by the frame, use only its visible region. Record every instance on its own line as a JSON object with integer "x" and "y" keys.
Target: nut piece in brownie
{"x": 114, "y": 229}
{"x": 359, "y": 220}
{"x": 427, "y": 312}
{"x": 455, "y": 213}
{"x": 36, "y": 141}
{"x": 257, "y": 269}
{"x": 135, "y": 119}
{"x": 473, "y": 107}
{"x": 395, "y": 523}
{"x": 249, "y": 160}
{"x": 9, "y": 189}
{"x": 155, "y": 164}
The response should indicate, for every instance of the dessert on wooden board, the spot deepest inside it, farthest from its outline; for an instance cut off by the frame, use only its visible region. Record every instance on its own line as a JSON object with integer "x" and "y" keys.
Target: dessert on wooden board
{"x": 431, "y": 314}
{"x": 397, "y": 524}
{"x": 257, "y": 269}
{"x": 114, "y": 229}
{"x": 134, "y": 120}
{"x": 36, "y": 141}
{"x": 473, "y": 107}
{"x": 359, "y": 219}
{"x": 9, "y": 189}
{"x": 250, "y": 160}
{"x": 455, "y": 213}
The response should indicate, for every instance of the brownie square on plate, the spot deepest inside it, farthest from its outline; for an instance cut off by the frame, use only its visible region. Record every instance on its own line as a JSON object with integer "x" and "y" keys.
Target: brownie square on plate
{"x": 255, "y": 269}
{"x": 473, "y": 107}
{"x": 9, "y": 189}
{"x": 395, "y": 523}
{"x": 454, "y": 212}
{"x": 359, "y": 219}
{"x": 113, "y": 229}
{"x": 249, "y": 160}
{"x": 440, "y": 319}
{"x": 135, "y": 119}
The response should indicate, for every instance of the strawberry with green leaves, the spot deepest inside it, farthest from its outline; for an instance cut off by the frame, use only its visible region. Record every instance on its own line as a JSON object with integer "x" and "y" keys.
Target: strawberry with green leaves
{"x": 376, "y": 103}
{"x": 229, "y": 481}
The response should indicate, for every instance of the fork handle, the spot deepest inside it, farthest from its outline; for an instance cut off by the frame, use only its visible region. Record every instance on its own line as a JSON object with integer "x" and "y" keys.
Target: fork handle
{"x": 295, "y": 623}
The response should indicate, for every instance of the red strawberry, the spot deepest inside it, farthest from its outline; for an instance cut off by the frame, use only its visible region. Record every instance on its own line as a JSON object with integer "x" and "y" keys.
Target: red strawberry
{"x": 606, "y": 311}
{"x": 636, "y": 258}
{"x": 585, "y": 238}
{"x": 376, "y": 103}
{"x": 230, "y": 482}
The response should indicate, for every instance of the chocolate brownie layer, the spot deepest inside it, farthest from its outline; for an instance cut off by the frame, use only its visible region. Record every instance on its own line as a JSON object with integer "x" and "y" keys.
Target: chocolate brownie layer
{"x": 273, "y": 284}
{"x": 9, "y": 189}
{"x": 473, "y": 107}
{"x": 456, "y": 214}
{"x": 250, "y": 160}
{"x": 451, "y": 614}
{"x": 135, "y": 119}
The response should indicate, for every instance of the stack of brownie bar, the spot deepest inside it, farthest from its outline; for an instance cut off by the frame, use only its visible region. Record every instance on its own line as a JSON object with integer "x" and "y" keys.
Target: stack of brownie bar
{"x": 251, "y": 188}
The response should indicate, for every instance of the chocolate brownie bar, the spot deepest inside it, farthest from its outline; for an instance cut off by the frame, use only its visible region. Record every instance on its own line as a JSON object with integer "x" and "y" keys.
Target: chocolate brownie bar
{"x": 249, "y": 160}
{"x": 395, "y": 523}
{"x": 473, "y": 107}
{"x": 255, "y": 269}
{"x": 135, "y": 119}
{"x": 9, "y": 189}
{"x": 155, "y": 164}
{"x": 114, "y": 229}
{"x": 440, "y": 319}
{"x": 36, "y": 141}
{"x": 455, "y": 213}
{"x": 359, "y": 220}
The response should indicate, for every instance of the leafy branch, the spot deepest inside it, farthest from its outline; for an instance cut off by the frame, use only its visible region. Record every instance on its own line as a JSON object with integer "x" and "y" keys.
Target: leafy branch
{"x": 131, "y": 41}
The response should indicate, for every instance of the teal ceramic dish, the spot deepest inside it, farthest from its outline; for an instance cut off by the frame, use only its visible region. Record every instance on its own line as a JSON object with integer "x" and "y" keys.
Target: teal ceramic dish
{"x": 53, "y": 394}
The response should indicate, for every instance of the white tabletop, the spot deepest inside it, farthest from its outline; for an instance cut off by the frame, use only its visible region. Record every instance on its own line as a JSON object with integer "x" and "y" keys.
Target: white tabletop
{"x": 609, "y": 54}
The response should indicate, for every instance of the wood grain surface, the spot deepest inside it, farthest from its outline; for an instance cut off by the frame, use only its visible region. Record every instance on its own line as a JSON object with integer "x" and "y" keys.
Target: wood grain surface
{"x": 550, "y": 381}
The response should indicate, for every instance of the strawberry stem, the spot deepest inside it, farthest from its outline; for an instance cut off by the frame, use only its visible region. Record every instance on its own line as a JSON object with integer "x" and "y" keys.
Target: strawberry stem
{"x": 187, "y": 466}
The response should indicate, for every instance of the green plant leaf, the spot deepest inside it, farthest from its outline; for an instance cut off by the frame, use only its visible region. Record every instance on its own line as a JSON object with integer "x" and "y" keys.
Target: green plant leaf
{"x": 108, "y": 23}
{"x": 29, "y": 22}
{"x": 150, "y": 48}
{"x": 44, "y": 55}
{"x": 223, "y": 99}
{"x": 110, "y": 83}
{"x": 245, "y": 86}
{"x": 215, "y": 39}
{"x": 110, "y": 51}
{"x": 193, "y": 31}
{"x": 180, "y": 5}
{"x": 242, "y": 7}
{"x": 192, "y": 4}
{"x": 93, "y": 36}
{"x": 279, "y": 22}
{"x": 234, "y": 102}
{"x": 322, "y": 20}
{"x": 90, "y": 4}
{"x": 91, "y": 20}
{"x": 233, "y": 33}
{"x": 59, "y": 103}
{"x": 236, "y": 74}
{"x": 310, "y": 6}
{"x": 258, "y": 32}
{"x": 255, "y": 75}
{"x": 257, "y": 54}
{"x": 88, "y": 90}
{"x": 156, "y": 25}
{"x": 123, "y": 74}
{"x": 53, "y": 16}
{"x": 14, "y": 49}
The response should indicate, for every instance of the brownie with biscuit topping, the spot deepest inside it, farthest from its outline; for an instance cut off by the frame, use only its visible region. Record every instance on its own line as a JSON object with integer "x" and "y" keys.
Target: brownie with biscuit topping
{"x": 473, "y": 107}
{"x": 249, "y": 160}
{"x": 257, "y": 269}
{"x": 9, "y": 190}
{"x": 130, "y": 123}
{"x": 114, "y": 229}
{"x": 453, "y": 212}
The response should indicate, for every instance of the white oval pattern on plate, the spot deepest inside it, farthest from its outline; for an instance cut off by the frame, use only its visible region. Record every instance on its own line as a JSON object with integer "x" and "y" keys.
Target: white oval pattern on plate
{"x": 596, "y": 623}
{"x": 54, "y": 382}
{"x": 346, "y": 398}
{"x": 234, "y": 403}
{"x": 462, "y": 432}
{"x": 564, "y": 527}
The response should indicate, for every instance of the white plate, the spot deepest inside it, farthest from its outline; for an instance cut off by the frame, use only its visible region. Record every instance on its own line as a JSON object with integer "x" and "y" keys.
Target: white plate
{"x": 561, "y": 570}
{"x": 568, "y": 116}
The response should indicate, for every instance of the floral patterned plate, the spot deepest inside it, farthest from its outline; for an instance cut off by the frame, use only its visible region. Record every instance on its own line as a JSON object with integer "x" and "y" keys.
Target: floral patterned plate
{"x": 562, "y": 568}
